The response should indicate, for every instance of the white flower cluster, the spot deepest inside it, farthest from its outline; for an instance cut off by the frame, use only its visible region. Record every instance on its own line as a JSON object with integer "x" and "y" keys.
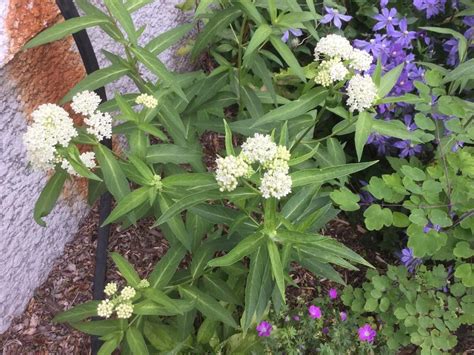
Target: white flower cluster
{"x": 228, "y": 170}
{"x": 146, "y": 100}
{"x": 121, "y": 304}
{"x": 362, "y": 92}
{"x": 87, "y": 158}
{"x": 341, "y": 62}
{"x": 99, "y": 123}
{"x": 271, "y": 157}
{"x": 51, "y": 127}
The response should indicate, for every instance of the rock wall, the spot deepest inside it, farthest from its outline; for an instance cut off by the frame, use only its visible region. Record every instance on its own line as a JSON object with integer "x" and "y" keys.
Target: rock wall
{"x": 28, "y": 79}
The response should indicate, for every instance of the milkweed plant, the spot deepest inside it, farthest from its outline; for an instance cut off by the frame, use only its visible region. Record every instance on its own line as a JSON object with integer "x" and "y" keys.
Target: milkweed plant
{"x": 306, "y": 110}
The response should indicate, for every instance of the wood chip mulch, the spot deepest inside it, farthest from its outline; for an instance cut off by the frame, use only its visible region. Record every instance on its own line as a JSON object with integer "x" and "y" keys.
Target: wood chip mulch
{"x": 70, "y": 283}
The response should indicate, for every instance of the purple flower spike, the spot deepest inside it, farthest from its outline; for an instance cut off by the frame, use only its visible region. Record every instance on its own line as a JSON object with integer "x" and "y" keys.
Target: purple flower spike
{"x": 333, "y": 15}
{"x": 264, "y": 329}
{"x": 332, "y": 293}
{"x": 343, "y": 316}
{"x": 386, "y": 19}
{"x": 409, "y": 260}
{"x": 366, "y": 333}
{"x": 296, "y": 32}
{"x": 315, "y": 312}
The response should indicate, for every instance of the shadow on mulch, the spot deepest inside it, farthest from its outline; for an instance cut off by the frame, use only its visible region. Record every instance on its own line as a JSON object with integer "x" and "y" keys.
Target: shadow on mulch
{"x": 70, "y": 284}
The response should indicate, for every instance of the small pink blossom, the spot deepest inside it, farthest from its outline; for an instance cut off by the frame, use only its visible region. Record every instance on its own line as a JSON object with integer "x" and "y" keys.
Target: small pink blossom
{"x": 366, "y": 333}
{"x": 315, "y": 312}
{"x": 332, "y": 293}
{"x": 264, "y": 329}
{"x": 343, "y": 316}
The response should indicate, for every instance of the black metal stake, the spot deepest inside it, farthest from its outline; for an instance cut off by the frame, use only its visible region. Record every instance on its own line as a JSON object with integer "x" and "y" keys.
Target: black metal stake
{"x": 83, "y": 43}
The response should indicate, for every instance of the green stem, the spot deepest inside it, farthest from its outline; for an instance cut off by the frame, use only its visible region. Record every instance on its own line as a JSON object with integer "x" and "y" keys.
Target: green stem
{"x": 298, "y": 141}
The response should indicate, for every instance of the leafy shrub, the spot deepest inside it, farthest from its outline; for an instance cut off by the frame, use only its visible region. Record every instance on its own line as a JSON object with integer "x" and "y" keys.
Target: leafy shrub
{"x": 297, "y": 115}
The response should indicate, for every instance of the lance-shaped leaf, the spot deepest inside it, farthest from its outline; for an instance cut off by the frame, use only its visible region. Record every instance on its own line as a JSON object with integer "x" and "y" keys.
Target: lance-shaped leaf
{"x": 166, "y": 268}
{"x": 259, "y": 37}
{"x": 208, "y": 306}
{"x": 100, "y": 327}
{"x": 135, "y": 341}
{"x": 96, "y": 80}
{"x": 167, "y": 39}
{"x": 65, "y": 28}
{"x": 288, "y": 56}
{"x": 395, "y": 129}
{"x": 77, "y": 313}
{"x": 126, "y": 269}
{"x": 175, "y": 223}
{"x": 119, "y": 12}
{"x": 295, "y": 108}
{"x": 113, "y": 175}
{"x": 48, "y": 197}
{"x": 171, "y": 153}
{"x": 388, "y": 81}
{"x": 130, "y": 202}
{"x": 216, "y": 24}
{"x": 159, "y": 69}
{"x": 244, "y": 248}
{"x": 277, "y": 267}
{"x": 319, "y": 176}
{"x": 363, "y": 130}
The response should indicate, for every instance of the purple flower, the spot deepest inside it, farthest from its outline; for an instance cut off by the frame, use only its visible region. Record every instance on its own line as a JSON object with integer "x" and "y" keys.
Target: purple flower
{"x": 296, "y": 318}
{"x": 333, "y": 15}
{"x": 468, "y": 21}
{"x": 296, "y": 32}
{"x": 343, "y": 316}
{"x": 407, "y": 148}
{"x": 314, "y": 312}
{"x": 325, "y": 330}
{"x": 383, "y": 3}
{"x": 431, "y": 7}
{"x": 381, "y": 142}
{"x": 264, "y": 329}
{"x": 451, "y": 47}
{"x": 431, "y": 226}
{"x": 409, "y": 260}
{"x": 387, "y": 19}
{"x": 332, "y": 293}
{"x": 457, "y": 146}
{"x": 404, "y": 36}
{"x": 366, "y": 333}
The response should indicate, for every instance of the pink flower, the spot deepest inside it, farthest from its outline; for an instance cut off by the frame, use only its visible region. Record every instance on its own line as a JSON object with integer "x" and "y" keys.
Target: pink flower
{"x": 264, "y": 329}
{"x": 296, "y": 318}
{"x": 332, "y": 293}
{"x": 366, "y": 333}
{"x": 314, "y": 312}
{"x": 343, "y": 316}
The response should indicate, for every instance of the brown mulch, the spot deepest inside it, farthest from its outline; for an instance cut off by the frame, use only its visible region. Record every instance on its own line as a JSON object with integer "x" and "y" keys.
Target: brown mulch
{"x": 70, "y": 283}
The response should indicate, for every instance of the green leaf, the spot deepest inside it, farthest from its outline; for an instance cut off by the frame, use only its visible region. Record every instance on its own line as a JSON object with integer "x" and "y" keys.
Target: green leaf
{"x": 171, "y": 153}
{"x": 96, "y": 80}
{"x": 48, "y": 197}
{"x": 134, "y": 5}
{"x": 128, "y": 203}
{"x": 111, "y": 344}
{"x": 220, "y": 289}
{"x": 126, "y": 269}
{"x": 258, "y": 38}
{"x": 114, "y": 177}
{"x": 388, "y": 81}
{"x": 318, "y": 176}
{"x": 100, "y": 327}
{"x": 249, "y": 8}
{"x": 363, "y": 130}
{"x": 78, "y": 313}
{"x": 462, "y": 71}
{"x": 165, "y": 269}
{"x": 65, "y": 28}
{"x": 175, "y": 223}
{"x": 185, "y": 203}
{"x": 394, "y": 129}
{"x": 288, "y": 56}
{"x": 119, "y": 12}
{"x": 136, "y": 341}
{"x": 295, "y": 108}
{"x": 215, "y": 25}
{"x": 258, "y": 288}
{"x": 244, "y": 248}
{"x": 229, "y": 146}
{"x": 165, "y": 40}
{"x": 376, "y": 217}
{"x": 207, "y": 305}
{"x": 251, "y": 102}
{"x": 277, "y": 267}
{"x": 346, "y": 199}
{"x": 413, "y": 173}
{"x": 159, "y": 69}
{"x": 463, "y": 250}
